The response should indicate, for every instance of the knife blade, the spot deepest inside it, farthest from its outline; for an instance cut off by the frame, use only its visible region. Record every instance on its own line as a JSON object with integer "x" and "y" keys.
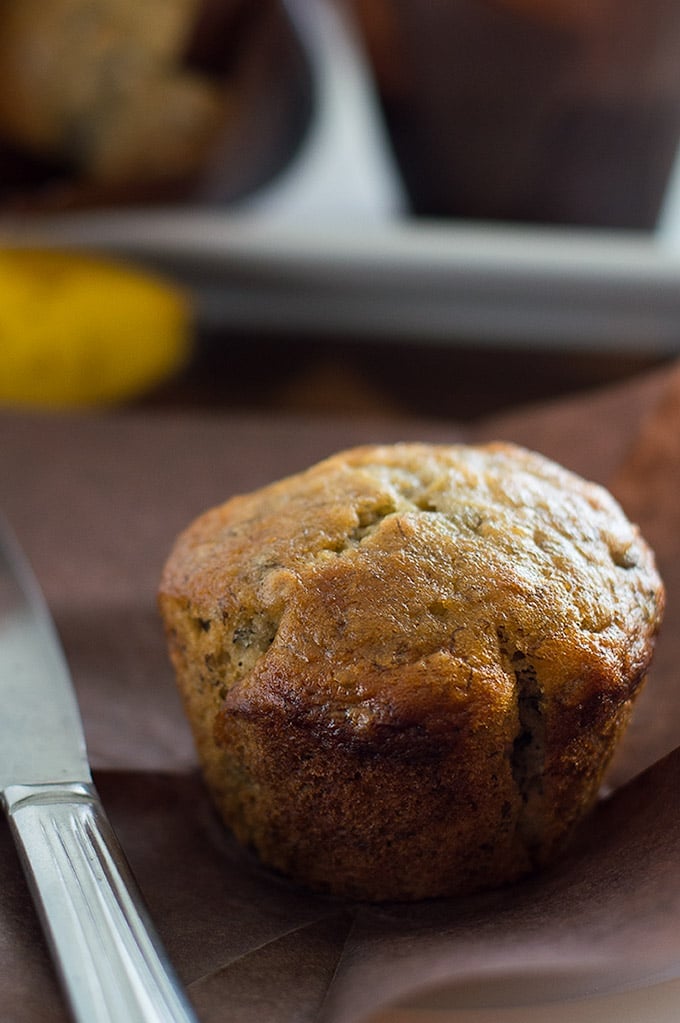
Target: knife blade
{"x": 109, "y": 959}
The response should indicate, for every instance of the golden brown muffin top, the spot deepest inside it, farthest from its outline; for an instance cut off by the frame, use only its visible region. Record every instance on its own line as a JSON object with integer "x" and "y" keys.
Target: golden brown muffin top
{"x": 402, "y": 583}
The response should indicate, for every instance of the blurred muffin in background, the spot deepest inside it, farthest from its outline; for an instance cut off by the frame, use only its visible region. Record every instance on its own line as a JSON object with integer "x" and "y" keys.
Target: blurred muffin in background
{"x": 108, "y": 99}
{"x": 548, "y": 111}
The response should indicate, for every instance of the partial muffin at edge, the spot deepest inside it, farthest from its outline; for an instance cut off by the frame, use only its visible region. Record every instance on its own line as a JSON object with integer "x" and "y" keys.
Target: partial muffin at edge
{"x": 407, "y": 668}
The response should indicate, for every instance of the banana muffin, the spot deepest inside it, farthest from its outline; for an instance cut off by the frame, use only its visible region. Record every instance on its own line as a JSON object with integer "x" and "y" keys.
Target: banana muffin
{"x": 101, "y": 86}
{"x": 407, "y": 668}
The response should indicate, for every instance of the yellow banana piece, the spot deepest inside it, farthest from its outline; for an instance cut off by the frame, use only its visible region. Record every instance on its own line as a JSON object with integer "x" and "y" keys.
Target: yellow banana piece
{"x": 80, "y": 331}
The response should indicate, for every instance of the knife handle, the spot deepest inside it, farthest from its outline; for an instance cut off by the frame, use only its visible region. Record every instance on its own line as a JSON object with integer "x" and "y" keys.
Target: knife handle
{"x": 110, "y": 961}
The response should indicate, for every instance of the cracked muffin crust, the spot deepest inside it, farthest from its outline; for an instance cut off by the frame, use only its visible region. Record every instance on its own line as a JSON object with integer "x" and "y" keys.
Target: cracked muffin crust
{"x": 406, "y": 668}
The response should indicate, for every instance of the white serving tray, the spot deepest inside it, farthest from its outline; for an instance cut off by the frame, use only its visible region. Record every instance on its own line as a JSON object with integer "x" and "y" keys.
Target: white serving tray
{"x": 404, "y": 279}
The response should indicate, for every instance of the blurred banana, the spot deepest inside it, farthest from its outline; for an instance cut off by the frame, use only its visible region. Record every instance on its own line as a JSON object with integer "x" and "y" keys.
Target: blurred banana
{"x": 82, "y": 331}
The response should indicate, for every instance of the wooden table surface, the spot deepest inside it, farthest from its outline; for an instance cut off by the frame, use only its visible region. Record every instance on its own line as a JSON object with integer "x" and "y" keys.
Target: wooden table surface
{"x": 460, "y": 382}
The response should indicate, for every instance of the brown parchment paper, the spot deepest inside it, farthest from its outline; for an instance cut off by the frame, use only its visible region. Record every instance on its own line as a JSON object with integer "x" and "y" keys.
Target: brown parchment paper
{"x": 97, "y": 501}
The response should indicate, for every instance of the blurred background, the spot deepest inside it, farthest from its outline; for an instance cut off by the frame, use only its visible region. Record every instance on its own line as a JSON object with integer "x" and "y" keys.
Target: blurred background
{"x": 375, "y": 207}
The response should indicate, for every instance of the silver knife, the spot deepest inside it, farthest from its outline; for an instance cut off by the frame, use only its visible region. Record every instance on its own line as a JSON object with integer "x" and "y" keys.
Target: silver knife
{"x": 109, "y": 960}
